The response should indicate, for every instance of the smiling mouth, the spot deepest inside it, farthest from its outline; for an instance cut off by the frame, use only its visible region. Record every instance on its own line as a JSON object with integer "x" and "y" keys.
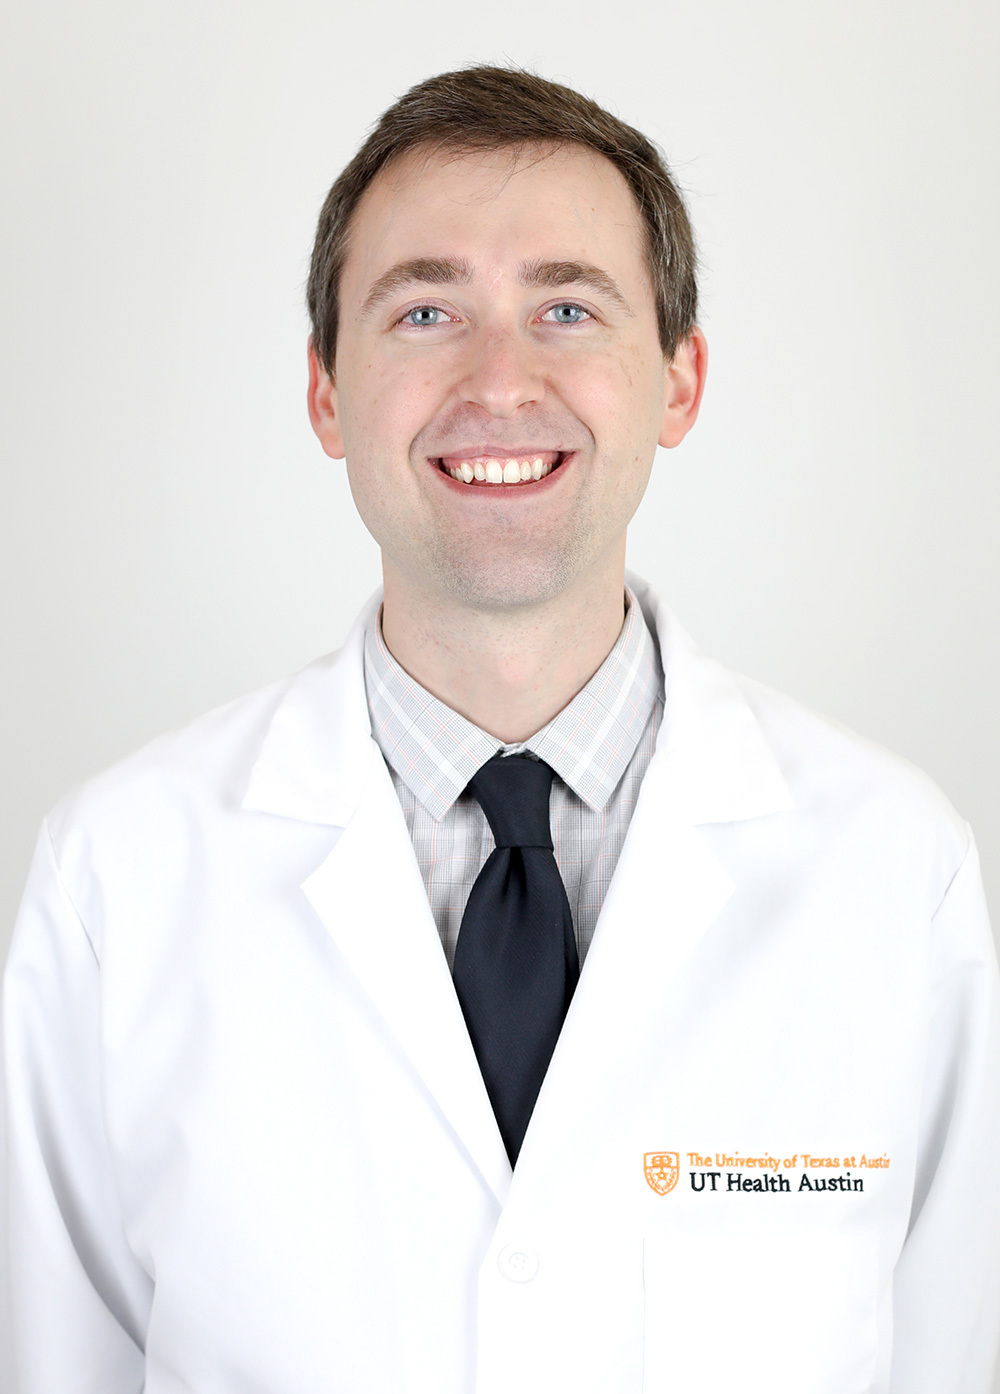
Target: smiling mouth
{"x": 487, "y": 470}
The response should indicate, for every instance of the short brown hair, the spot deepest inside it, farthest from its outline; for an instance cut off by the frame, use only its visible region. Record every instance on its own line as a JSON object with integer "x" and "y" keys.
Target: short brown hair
{"x": 490, "y": 108}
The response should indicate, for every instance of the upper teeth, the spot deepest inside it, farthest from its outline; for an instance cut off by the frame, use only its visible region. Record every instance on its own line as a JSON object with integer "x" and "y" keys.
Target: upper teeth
{"x": 500, "y": 471}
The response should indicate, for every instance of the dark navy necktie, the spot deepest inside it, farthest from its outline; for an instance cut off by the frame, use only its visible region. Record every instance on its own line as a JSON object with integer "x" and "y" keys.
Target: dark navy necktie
{"x": 516, "y": 963}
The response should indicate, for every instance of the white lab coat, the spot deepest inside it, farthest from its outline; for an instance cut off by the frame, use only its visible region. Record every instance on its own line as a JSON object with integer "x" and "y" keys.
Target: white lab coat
{"x": 250, "y": 1151}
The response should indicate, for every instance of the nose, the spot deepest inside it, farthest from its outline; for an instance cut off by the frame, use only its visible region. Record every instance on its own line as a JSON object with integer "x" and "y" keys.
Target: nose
{"x": 501, "y": 372}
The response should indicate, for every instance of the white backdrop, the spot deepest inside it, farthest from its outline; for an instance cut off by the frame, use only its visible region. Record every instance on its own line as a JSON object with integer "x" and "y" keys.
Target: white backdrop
{"x": 172, "y": 534}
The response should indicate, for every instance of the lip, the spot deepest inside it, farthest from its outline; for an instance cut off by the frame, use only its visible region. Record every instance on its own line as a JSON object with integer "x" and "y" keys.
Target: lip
{"x": 557, "y": 458}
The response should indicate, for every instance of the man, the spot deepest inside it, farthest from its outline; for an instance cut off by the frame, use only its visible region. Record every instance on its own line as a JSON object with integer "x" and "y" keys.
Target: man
{"x": 515, "y": 999}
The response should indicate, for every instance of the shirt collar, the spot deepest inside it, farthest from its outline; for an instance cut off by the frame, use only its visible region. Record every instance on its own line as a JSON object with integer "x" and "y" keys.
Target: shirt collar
{"x": 435, "y": 751}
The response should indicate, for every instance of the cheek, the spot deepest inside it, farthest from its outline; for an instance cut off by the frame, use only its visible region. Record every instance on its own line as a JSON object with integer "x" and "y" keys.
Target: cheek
{"x": 642, "y": 371}
{"x": 621, "y": 400}
{"x": 383, "y": 407}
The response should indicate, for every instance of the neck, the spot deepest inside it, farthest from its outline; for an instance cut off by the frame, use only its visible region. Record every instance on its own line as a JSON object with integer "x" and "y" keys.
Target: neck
{"x": 509, "y": 672}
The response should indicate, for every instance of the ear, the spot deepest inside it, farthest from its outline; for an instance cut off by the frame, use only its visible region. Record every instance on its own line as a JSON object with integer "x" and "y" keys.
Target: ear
{"x": 685, "y": 382}
{"x": 324, "y": 408}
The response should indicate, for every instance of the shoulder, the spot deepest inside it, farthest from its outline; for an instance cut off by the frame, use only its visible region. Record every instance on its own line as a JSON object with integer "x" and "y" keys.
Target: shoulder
{"x": 821, "y": 757}
{"x": 291, "y": 739}
{"x": 179, "y": 820}
{"x": 868, "y": 801}
{"x": 205, "y": 761}
{"x": 831, "y": 797}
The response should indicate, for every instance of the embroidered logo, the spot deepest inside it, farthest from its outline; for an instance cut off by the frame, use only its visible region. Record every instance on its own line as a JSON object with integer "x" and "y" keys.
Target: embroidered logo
{"x": 662, "y": 1170}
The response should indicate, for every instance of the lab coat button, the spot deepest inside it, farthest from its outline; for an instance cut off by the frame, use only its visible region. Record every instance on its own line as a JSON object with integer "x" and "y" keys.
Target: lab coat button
{"x": 517, "y": 1264}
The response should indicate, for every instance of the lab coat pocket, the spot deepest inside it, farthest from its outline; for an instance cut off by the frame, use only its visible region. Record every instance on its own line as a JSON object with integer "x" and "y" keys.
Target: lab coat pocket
{"x": 748, "y": 1308}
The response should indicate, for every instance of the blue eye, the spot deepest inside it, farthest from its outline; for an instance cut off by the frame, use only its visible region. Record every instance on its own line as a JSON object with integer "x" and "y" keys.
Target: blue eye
{"x": 423, "y": 316}
{"x": 568, "y": 313}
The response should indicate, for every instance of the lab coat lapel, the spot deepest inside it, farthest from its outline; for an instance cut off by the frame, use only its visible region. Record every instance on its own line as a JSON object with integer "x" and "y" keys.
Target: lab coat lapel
{"x": 712, "y": 764}
{"x": 667, "y": 890}
{"x": 319, "y": 763}
{"x": 370, "y": 895}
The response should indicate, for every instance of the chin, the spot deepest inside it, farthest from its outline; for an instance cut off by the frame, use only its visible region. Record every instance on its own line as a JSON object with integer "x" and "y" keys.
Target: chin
{"x": 506, "y": 586}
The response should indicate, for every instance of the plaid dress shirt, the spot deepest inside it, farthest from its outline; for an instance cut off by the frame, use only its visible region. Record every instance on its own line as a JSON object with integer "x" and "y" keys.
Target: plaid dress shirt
{"x": 599, "y": 747}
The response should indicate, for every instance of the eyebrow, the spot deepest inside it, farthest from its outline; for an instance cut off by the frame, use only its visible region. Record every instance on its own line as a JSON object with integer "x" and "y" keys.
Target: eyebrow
{"x": 454, "y": 271}
{"x": 434, "y": 271}
{"x": 552, "y": 274}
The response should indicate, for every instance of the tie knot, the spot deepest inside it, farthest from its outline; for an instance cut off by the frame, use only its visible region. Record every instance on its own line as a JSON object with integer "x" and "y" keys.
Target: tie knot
{"x": 513, "y": 791}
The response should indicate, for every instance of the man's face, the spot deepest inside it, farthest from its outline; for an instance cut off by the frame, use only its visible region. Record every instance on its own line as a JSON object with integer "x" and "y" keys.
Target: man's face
{"x": 497, "y": 321}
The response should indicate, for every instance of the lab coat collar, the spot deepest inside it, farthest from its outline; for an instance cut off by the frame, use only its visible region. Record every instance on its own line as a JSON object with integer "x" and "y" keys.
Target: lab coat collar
{"x": 318, "y": 751}
{"x": 712, "y": 759}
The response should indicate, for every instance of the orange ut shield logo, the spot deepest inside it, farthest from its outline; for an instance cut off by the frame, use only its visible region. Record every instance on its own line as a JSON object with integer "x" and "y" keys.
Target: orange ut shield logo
{"x": 662, "y": 1170}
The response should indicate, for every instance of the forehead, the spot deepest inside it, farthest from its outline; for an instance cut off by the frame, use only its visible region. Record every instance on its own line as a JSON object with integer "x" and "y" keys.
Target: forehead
{"x": 495, "y": 207}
